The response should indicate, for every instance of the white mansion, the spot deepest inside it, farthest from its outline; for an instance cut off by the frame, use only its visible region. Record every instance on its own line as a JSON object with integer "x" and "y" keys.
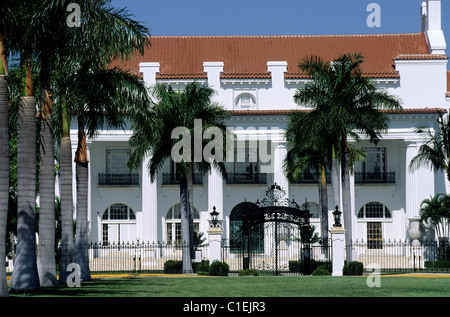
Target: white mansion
{"x": 256, "y": 77}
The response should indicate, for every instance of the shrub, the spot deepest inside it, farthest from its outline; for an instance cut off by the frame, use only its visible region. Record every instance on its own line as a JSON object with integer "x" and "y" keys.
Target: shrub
{"x": 202, "y": 266}
{"x": 437, "y": 264}
{"x": 321, "y": 270}
{"x": 298, "y": 266}
{"x": 173, "y": 266}
{"x": 353, "y": 268}
{"x": 248, "y": 272}
{"x": 218, "y": 268}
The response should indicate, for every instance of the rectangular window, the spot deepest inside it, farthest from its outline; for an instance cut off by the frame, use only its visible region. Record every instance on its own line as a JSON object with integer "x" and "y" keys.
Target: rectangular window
{"x": 374, "y": 235}
{"x": 246, "y": 167}
{"x": 116, "y": 161}
{"x": 105, "y": 234}
{"x": 374, "y": 166}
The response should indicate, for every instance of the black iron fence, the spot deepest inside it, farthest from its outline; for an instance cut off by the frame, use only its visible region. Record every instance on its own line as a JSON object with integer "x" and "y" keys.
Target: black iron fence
{"x": 158, "y": 257}
{"x": 286, "y": 258}
{"x": 402, "y": 255}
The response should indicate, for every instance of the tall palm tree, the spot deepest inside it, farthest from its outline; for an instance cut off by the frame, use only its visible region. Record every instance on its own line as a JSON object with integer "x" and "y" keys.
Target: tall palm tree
{"x": 435, "y": 152}
{"x": 153, "y": 136}
{"x": 353, "y": 105}
{"x": 8, "y": 23}
{"x": 105, "y": 33}
{"x": 309, "y": 151}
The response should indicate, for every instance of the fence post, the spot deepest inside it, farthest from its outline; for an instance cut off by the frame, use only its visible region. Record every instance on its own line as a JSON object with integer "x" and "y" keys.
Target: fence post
{"x": 215, "y": 241}
{"x": 338, "y": 250}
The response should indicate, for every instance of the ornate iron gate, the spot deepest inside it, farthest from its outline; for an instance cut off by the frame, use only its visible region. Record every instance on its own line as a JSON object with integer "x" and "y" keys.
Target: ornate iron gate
{"x": 274, "y": 233}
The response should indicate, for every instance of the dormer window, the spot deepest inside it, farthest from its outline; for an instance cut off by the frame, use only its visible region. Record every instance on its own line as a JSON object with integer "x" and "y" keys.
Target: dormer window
{"x": 245, "y": 102}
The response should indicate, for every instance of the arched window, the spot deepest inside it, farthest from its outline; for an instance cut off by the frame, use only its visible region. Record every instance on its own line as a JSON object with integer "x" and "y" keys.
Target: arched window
{"x": 245, "y": 101}
{"x": 374, "y": 209}
{"x": 119, "y": 212}
{"x": 173, "y": 224}
{"x": 118, "y": 224}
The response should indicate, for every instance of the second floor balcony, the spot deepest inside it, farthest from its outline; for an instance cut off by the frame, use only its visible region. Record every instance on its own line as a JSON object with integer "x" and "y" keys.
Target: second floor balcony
{"x": 129, "y": 179}
{"x": 246, "y": 178}
{"x": 375, "y": 178}
{"x": 174, "y": 179}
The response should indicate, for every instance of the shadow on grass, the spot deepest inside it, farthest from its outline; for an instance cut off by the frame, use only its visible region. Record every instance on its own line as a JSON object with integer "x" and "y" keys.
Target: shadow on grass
{"x": 105, "y": 287}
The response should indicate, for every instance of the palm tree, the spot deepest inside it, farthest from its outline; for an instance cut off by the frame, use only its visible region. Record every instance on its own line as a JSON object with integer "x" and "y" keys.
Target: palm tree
{"x": 309, "y": 151}
{"x": 435, "y": 152}
{"x": 154, "y": 136}
{"x": 8, "y": 24}
{"x": 435, "y": 212}
{"x": 352, "y": 103}
{"x": 94, "y": 94}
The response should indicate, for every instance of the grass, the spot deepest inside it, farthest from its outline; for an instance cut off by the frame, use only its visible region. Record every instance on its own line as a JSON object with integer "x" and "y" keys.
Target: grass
{"x": 254, "y": 286}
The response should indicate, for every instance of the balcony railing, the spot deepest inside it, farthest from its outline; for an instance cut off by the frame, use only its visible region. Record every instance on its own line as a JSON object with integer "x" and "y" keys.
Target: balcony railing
{"x": 118, "y": 179}
{"x": 173, "y": 179}
{"x": 374, "y": 178}
{"x": 246, "y": 178}
{"x": 307, "y": 178}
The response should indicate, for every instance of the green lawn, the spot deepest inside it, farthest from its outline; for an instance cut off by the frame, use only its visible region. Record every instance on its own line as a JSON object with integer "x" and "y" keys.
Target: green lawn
{"x": 259, "y": 286}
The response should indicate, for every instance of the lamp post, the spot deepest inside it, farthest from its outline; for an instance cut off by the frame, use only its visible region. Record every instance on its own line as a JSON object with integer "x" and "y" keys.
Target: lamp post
{"x": 215, "y": 236}
{"x": 338, "y": 240}
{"x": 337, "y": 217}
{"x": 214, "y": 218}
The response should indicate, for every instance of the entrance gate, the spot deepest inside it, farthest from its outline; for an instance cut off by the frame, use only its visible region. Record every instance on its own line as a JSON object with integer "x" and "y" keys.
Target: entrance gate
{"x": 275, "y": 232}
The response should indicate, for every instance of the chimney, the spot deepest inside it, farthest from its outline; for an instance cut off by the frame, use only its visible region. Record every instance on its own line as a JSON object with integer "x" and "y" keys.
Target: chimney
{"x": 431, "y": 26}
{"x": 423, "y": 16}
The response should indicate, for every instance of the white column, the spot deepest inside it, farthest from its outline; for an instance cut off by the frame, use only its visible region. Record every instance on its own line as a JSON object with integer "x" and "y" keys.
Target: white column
{"x": 215, "y": 244}
{"x": 338, "y": 250}
{"x": 215, "y": 192}
{"x": 410, "y": 182}
{"x": 147, "y": 228}
{"x": 279, "y": 154}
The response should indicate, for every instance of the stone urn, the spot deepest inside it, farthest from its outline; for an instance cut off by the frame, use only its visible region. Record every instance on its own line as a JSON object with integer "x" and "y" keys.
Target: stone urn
{"x": 415, "y": 230}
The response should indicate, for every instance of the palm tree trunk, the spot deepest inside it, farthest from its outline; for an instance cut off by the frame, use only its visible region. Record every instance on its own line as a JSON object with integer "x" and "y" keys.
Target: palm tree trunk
{"x": 82, "y": 176}
{"x": 25, "y": 275}
{"x": 46, "y": 252}
{"x": 185, "y": 235}
{"x": 335, "y": 178}
{"x": 323, "y": 202}
{"x": 4, "y": 176}
{"x": 189, "y": 181}
{"x": 346, "y": 199}
{"x": 67, "y": 237}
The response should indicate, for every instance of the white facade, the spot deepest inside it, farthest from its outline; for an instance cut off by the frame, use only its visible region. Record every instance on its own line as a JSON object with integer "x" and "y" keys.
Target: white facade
{"x": 140, "y": 209}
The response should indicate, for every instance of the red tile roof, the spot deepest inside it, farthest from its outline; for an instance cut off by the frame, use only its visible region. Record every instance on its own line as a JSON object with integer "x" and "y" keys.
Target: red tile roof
{"x": 448, "y": 83}
{"x": 183, "y": 56}
{"x": 287, "y": 112}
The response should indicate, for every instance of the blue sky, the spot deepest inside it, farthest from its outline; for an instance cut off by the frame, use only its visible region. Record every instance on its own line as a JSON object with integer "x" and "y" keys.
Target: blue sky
{"x": 277, "y": 17}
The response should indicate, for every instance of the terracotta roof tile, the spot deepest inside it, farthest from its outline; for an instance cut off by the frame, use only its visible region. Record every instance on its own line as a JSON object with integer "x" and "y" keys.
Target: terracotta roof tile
{"x": 183, "y": 55}
{"x": 287, "y": 112}
{"x": 448, "y": 83}
{"x": 420, "y": 57}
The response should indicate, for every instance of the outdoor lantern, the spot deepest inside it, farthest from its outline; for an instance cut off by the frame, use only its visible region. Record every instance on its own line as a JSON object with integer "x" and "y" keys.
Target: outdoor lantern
{"x": 337, "y": 217}
{"x": 214, "y": 217}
